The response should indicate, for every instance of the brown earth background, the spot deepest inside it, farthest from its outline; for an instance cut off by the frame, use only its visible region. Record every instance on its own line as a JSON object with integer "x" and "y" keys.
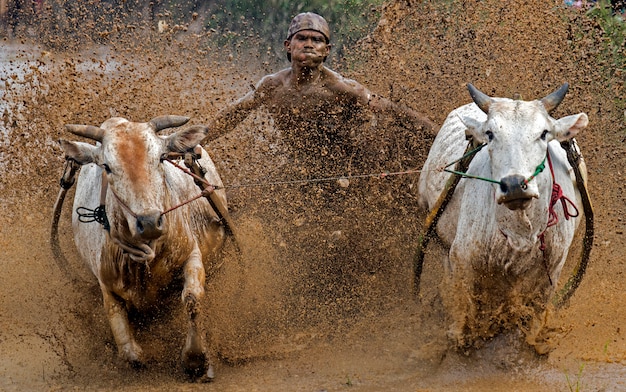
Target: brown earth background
{"x": 280, "y": 316}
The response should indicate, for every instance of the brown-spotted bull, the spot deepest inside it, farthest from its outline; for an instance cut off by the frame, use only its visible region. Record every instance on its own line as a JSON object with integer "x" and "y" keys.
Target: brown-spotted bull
{"x": 145, "y": 242}
{"x": 510, "y": 227}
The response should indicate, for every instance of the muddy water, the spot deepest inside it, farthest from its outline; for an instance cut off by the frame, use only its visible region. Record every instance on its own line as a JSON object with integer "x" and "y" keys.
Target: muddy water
{"x": 302, "y": 307}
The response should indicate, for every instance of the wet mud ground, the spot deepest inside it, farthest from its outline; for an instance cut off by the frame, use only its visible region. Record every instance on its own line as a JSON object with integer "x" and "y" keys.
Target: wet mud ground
{"x": 315, "y": 301}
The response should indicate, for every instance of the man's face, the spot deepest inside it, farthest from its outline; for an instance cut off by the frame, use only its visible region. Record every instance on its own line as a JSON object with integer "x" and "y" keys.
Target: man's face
{"x": 308, "y": 48}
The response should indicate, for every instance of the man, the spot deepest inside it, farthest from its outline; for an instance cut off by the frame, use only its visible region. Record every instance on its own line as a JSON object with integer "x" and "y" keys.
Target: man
{"x": 331, "y": 233}
{"x": 318, "y": 111}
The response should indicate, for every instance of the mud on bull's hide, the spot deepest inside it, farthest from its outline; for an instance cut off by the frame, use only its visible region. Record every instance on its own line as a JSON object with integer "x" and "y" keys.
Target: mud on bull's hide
{"x": 496, "y": 275}
{"x": 147, "y": 247}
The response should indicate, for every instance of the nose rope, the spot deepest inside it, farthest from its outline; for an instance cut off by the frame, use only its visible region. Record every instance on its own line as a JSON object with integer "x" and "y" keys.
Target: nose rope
{"x": 205, "y": 192}
{"x": 524, "y": 183}
{"x": 464, "y": 174}
{"x": 538, "y": 170}
{"x": 124, "y": 205}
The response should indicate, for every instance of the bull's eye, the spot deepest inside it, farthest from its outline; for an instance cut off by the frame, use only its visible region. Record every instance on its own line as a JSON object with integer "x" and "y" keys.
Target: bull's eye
{"x": 544, "y": 134}
{"x": 489, "y": 135}
{"x": 106, "y": 168}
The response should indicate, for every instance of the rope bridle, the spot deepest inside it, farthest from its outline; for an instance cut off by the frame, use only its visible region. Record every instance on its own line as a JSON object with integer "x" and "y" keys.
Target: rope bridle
{"x": 98, "y": 214}
{"x": 555, "y": 196}
{"x": 472, "y": 152}
{"x": 574, "y": 157}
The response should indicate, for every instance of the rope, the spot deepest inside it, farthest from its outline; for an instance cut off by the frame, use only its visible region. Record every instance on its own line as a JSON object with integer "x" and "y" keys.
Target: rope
{"x": 98, "y": 214}
{"x": 321, "y": 179}
{"x": 291, "y": 182}
{"x": 538, "y": 169}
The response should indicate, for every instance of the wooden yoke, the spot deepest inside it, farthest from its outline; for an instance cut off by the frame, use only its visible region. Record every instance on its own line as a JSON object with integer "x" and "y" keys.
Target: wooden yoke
{"x": 430, "y": 223}
{"x": 217, "y": 203}
{"x": 575, "y": 160}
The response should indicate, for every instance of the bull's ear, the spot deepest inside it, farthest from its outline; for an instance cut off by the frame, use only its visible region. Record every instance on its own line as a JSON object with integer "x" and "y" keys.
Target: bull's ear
{"x": 473, "y": 128}
{"x": 567, "y": 127}
{"x": 81, "y": 153}
{"x": 187, "y": 139}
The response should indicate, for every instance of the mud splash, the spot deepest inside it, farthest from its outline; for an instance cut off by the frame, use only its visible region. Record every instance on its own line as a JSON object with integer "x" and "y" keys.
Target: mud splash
{"x": 305, "y": 307}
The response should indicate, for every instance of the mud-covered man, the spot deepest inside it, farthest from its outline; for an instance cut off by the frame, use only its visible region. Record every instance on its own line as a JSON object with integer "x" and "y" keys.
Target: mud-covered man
{"x": 332, "y": 233}
{"x": 320, "y": 114}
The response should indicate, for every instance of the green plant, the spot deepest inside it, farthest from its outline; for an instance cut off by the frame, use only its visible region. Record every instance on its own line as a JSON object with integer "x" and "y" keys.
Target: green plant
{"x": 614, "y": 28}
{"x": 577, "y": 384}
{"x": 612, "y": 56}
{"x": 613, "y": 25}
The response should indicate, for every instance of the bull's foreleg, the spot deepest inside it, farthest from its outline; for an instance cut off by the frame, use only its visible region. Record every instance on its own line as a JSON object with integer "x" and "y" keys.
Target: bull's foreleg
{"x": 127, "y": 347}
{"x": 457, "y": 298}
{"x": 194, "y": 357}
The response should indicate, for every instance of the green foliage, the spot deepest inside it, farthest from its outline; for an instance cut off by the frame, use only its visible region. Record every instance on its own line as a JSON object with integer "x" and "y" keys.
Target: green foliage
{"x": 250, "y": 24}
{"x": 614, "y": 28}
{"x": 613, "y": 25}
{"x": 268, "y": 21}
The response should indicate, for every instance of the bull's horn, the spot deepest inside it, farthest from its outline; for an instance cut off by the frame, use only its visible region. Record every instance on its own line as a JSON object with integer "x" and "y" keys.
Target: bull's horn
{"x": 553, "y": 100}
{"x": 162, "y": 122}
{"x": 481, "y": 99}
{"x": 88, "y": 131}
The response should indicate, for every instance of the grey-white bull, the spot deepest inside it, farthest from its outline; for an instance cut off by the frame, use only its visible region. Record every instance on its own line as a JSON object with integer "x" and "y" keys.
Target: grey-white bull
{"x": 147, "y": 246}
{"x": 509, "y": 238}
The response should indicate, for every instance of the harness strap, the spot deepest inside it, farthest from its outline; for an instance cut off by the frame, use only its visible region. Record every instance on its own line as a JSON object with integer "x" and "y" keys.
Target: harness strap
{"x": 574, "y": 157}
{"x": 66, "y": 182}
{"x": 430, "y": 223}
{"x": 98, "y": 214}
{"x": 194, "y": 169}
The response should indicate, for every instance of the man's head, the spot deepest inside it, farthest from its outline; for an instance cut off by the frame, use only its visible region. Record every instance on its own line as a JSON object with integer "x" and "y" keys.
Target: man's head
{"x": 308, "y": 21}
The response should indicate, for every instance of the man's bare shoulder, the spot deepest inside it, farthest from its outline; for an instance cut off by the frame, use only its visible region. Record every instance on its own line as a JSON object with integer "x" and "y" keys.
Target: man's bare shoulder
{"x": 342, "y": 85}
{"x": 272, "y": 81}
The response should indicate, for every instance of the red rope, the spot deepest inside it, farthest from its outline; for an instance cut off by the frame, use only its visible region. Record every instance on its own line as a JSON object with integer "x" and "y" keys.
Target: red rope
{"x": 556, "y": 196}
{"x": 207, "y": 191}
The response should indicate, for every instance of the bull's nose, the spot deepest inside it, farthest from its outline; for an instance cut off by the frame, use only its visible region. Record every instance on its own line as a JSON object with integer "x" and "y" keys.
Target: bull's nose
{"x": 150, "y": 224}
{"x": 513, "y": 184}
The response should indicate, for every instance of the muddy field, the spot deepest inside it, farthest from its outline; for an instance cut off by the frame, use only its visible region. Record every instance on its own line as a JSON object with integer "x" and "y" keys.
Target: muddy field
{"x": 314, "y": 301}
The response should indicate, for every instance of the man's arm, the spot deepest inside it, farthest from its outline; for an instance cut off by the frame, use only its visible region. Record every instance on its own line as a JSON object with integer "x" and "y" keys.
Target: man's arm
{"x": 403, "y": 113}
{"x": 229, "y": 117}
{"x": 376, "y": 103}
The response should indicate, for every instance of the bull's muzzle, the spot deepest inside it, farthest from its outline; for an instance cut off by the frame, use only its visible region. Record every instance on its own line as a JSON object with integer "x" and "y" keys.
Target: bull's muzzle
{"x": 515, "y": 193}
{"x": 150, "y": 225}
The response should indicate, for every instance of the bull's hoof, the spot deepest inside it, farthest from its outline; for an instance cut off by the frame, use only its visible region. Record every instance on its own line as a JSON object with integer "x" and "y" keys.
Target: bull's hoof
{"x": 205, "y": 373}
{"x": 208, "y": 375}
{"x": 198, "y": 367}
{"x": 133, "y": 354}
